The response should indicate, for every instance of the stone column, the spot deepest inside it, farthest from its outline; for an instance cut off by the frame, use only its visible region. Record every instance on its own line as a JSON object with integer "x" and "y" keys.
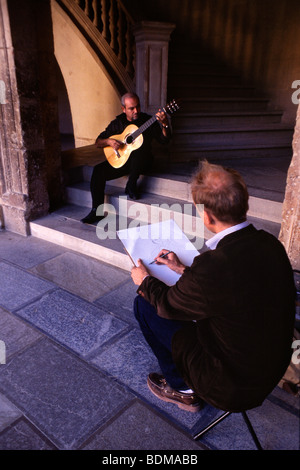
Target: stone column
{"x": 13, "y": 185}
{"x": 152, "y": 45}
{"x": 29, "y": 132}
{"x": 290, "y": 226}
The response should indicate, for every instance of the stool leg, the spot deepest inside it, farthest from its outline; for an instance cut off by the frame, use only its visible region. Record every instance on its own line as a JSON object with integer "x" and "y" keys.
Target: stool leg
{"x": 249, "y": 425}
{"x": 212, "y": 425}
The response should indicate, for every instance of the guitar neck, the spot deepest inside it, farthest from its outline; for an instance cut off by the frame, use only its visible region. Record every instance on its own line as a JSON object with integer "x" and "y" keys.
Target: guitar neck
{"x": 143, "y": 127}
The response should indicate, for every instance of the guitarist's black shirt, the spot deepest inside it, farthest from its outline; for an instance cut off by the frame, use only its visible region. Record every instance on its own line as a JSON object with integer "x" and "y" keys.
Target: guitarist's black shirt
{"x": 139, "y": 161}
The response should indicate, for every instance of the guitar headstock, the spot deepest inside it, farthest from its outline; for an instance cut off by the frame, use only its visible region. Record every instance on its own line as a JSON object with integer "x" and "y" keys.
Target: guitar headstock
{"x": 171, "y": 107}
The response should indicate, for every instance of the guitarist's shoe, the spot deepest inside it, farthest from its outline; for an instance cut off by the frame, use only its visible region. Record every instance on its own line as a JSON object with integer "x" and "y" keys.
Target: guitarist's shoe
{"x": 92, "y": 217}
{"x": 132, "y": 194}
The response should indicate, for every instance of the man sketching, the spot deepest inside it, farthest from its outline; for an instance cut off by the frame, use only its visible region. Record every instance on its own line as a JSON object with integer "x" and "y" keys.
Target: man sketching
{"x": 223, "y": 333}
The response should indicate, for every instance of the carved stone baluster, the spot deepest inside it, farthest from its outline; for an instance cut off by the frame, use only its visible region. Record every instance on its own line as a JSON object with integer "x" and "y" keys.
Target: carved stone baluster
{"x": 95, "y": 14}
{"x": 112, "y": 28}
{"x": 89, "y": 10}
{"x": 104, "y": 19}
{"x": 86, "y": 8}
{"x": 126, "y": 39}
{"x": 121, "y": 35}
{"x": 129, "y": 50}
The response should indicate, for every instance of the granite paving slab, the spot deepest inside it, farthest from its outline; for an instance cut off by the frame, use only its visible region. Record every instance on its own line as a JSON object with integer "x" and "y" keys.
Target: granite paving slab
{"x": 26, "y": 251}
{"x": 83, "y": 276}
{"x": 23, "y": 436}
{"x": 130, "y": 360}
{"x": 72, "y": 321}
{"x": 8, "y": 413}
{"x": 287, "y": 401}
{"x": 275, "y": 428}
{"x": 15, "y": 333}
{"x": 230, "y": 434}
{"x": 136, "y": 428}
{"x": 61, "y": 395}
{"x": 18, "y": 287}
{"x": 123, "y": 307}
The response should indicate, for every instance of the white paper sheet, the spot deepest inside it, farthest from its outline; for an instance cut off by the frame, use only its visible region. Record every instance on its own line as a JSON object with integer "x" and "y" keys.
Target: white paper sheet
{"x": 146, "y": 241}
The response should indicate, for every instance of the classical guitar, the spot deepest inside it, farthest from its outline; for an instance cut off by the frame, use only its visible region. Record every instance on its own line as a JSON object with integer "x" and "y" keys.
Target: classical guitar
{"x": 132, "y": 138}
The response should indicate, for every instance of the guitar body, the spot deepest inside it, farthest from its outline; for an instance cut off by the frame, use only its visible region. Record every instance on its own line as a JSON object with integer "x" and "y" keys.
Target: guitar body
{"x": 132, "y": 139}
{"x": 118, "y": 159}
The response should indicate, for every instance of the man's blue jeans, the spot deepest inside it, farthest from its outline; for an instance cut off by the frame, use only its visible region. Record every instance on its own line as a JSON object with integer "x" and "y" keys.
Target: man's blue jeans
{"x": 158, "y": 333}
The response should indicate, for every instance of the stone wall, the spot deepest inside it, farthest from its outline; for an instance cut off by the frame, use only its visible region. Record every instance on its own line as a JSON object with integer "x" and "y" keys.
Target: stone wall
{"x": 290, "y": 226}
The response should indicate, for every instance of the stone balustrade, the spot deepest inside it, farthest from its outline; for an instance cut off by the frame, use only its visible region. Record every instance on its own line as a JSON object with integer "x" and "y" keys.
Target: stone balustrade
{"x": 115, "y": 24}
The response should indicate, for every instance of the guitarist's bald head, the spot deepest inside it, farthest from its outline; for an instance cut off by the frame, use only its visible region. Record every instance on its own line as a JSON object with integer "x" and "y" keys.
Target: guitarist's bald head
{"x": 131, "y": 106}
{"x": 128, "y": 95}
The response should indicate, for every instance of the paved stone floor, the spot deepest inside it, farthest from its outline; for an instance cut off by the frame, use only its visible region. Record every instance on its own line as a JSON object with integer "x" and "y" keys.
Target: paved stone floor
{"x": 76, "y": 364}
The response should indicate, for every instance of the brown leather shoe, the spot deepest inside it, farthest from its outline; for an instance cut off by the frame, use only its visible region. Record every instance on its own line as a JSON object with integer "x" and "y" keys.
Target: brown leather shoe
{"x": 160, "y": 388}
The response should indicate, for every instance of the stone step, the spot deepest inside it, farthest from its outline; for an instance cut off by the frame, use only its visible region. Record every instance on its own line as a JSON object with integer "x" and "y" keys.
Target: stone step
{"x": 150, "y": 206}
{"x": 185, "y": 120}
{"x": 172, "y": 179}
{"x": 202, "y": 64}
{"x": 223, "y": 136}
{"x": 64, "y": 228}
{"x": 222, "y": 104}
{"x": 191, "y": 152}
{"x": 165, "y": 191}
{"x": 201, "y": 77}
{"x": 210, "y": 90}
{"x": 164, "y": 196}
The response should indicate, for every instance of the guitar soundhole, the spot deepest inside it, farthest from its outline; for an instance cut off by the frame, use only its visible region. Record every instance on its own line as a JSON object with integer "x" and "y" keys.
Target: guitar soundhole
{"x": 129, "y": 139}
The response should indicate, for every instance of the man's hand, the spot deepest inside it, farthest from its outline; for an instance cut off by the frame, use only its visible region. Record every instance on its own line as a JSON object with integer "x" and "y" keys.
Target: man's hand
{"x": 163, "y": 119}
{"x": 114, "y": 143}
{"x": 139, "y": 272}
{"x": 171, "y": 260}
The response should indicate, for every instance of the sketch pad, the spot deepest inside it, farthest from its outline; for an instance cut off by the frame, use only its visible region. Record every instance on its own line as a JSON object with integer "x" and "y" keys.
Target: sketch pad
{"x": 146, "y": 241}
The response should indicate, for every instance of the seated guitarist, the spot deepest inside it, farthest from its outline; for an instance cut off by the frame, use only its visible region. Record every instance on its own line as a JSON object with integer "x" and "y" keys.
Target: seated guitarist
{"x": 139, "y": 161}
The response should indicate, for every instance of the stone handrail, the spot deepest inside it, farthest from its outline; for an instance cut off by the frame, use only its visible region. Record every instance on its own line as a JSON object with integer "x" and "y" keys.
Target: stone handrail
{"x": 108, "y": 27}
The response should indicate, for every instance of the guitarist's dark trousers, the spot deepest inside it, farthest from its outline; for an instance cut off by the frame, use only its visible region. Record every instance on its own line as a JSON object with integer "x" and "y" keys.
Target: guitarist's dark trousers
{"x": 138, "y": 163}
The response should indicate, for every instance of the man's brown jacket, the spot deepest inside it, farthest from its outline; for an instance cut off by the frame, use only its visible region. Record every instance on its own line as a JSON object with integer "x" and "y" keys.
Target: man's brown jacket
{"x": 241, "y": 297}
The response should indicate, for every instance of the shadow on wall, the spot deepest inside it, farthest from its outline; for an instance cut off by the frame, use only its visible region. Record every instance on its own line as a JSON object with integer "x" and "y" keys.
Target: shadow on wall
{"x": 64, "y": 111}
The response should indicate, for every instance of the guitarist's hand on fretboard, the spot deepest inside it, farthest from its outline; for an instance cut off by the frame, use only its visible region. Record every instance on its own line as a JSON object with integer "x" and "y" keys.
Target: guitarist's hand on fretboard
{"x": 163, "y": 120}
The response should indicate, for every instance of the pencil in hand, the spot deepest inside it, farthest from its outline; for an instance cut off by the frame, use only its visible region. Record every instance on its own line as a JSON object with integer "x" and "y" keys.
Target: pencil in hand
{"x": 162, "y": 256}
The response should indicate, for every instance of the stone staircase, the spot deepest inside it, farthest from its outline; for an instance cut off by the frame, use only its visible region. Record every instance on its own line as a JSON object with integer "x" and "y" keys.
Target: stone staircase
{"x": 221, "y": 116}
{"x": 220, "y": 119}
{"x": 165, "y": 195}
